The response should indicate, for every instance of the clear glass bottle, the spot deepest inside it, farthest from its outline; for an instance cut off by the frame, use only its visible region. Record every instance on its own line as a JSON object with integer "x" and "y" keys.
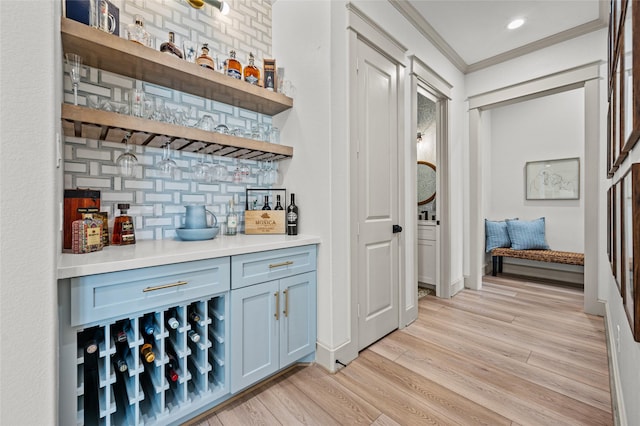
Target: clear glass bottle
{"x": 232, "y": 220}
{"x": 170, "y": 46}
{"x": 234, "y": 69}
{"x": 251, "y": 72}
{"x": 278, "y": 205}
{"x": 137, "y": 33}
{"x": 204, "y": 60}
{"x": 123, "y": 229}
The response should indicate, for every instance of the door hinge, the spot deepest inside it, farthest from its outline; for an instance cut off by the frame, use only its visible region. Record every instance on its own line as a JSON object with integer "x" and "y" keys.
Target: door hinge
{"x": 358, "y": 310}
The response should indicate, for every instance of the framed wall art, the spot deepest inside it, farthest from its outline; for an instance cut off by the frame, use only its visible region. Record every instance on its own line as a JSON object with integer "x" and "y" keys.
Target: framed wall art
{"x": 553, "y": 179}
{"x": 630, "y": 244}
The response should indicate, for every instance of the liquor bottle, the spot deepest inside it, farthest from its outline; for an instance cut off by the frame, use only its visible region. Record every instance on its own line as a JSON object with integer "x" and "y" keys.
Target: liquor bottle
{"x": 146, "y": 350}
{"x": 278, "y": 205}
{"x": 170, "y": 46}
{"x": 266, "y": 203}
{"x": 251, "y": 72}
{"x": 137, "y": 33}
{"x": 204, "y": 60}
{"x": 123, "y": 229}
{"x": 232, "y": 220}
{"x": 234, "y": 69}
{"x": 172, "y": 319}
{"x": 193, "y": 336}
{"x": 148, "y": 325}
{"x": 292, "y": 217}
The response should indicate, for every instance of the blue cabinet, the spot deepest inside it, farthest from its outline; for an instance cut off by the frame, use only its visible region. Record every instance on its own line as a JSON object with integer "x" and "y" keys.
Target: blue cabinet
{"x": 273, "y": 323}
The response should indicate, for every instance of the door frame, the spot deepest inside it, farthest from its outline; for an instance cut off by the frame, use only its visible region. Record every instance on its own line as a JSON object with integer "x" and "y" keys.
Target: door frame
{"x": 361, "y": 28}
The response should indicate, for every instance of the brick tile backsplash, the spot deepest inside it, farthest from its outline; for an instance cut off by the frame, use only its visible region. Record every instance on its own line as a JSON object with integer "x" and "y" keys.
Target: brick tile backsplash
{"x": 157, "y": 202}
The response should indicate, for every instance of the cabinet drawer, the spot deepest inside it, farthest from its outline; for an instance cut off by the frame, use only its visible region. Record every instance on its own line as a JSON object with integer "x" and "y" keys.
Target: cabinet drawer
{"x": 253, "y": 268}
{"x": 98, "y": 297}
{"x": 427, "y": 233}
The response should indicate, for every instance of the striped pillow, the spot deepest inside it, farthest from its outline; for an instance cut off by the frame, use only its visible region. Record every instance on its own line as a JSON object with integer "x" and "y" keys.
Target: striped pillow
{"x": 527, "y": 235}
{"x": 496, "y": 234}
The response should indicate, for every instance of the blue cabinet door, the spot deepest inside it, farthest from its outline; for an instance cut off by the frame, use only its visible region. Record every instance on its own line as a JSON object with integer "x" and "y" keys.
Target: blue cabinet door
{"x": 254, "y": 334}
{"x": 298, "y": 317}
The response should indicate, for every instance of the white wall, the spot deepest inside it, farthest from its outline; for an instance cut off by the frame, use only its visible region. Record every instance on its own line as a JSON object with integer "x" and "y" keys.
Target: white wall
{"x": 547, "y": 128}
{"x": 29, "y": 114}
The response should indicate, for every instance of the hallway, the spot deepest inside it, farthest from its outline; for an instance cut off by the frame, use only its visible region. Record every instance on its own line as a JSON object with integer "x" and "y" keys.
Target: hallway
{"x": 520, "y": 352}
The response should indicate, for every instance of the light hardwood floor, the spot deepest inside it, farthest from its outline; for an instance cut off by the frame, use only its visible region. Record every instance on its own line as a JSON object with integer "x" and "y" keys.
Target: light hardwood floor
{"x": 514, "y": 353}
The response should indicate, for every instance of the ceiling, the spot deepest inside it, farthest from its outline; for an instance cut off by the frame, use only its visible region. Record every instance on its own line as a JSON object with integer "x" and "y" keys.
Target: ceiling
{"x": 473, "y": 34}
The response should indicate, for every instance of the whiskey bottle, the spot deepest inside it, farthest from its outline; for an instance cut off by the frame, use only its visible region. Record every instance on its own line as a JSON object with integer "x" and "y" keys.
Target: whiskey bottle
{"x": 170, "y": 46}
{"x": 234, "y": 69}
{"x": 137, "y": 33}
{"x": 278, "y": 205}
{"x": 251, "y": 72}
{"x": 123, "y": 229}
{"x": 292, "y": 217}
{"x": 204, "y": 60}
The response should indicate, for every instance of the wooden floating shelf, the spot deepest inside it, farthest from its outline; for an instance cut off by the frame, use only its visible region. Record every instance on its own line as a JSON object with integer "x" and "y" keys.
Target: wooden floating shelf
{"x": 115, "y": 54}
{"x": 80, "y": 121}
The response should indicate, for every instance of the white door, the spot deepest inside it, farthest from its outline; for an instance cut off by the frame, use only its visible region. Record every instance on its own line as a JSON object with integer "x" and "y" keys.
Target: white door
{"x": 377, "y": 196}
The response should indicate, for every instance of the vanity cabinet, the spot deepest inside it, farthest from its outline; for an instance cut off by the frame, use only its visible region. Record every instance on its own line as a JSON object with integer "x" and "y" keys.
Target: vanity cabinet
{"x": 427, "y": 252}
{"x": 273, "y": 312}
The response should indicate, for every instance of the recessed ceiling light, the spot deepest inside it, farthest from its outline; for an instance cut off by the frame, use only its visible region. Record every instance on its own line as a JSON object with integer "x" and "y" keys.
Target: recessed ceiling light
{"x": 516, "y": 23}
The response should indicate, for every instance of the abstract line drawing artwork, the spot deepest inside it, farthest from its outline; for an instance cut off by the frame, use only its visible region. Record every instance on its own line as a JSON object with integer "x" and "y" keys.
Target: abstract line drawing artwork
{"x": 553, "y": 179}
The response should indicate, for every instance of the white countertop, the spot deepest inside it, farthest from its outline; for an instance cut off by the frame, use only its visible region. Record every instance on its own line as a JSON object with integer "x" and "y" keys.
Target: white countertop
{"x": 162, "y": 252}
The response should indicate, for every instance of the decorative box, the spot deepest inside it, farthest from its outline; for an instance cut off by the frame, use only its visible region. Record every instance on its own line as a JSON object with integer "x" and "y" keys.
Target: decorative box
{"x": 258, "y": 221}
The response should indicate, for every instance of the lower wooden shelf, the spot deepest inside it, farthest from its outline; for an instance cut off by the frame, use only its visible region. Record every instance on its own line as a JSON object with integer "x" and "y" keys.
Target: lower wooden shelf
{"x": 91, "y": 123}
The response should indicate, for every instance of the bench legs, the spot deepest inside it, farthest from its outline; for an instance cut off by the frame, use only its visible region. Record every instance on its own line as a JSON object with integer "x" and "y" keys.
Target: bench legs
{"x": 497, "y": 265}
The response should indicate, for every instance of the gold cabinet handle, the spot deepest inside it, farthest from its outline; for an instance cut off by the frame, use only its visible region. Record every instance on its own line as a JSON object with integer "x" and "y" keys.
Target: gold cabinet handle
{"x": 277, "y": 265}
{"x": 286, "y": 303}
{"x": 160, "y": 287}
{"x": 277, "y": 314}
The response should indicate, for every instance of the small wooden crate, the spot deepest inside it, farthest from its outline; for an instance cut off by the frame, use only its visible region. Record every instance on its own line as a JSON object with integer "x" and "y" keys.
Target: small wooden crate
{"x": 265, "y": 222}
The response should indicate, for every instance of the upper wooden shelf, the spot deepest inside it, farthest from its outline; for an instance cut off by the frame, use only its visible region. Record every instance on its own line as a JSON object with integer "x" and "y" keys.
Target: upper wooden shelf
{"x": 112, "y": 53}
{"x": 91, "y": 123}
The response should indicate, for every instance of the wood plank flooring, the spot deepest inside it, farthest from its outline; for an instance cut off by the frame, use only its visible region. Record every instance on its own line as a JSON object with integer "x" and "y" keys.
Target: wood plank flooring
{"x": 514, "y": 353}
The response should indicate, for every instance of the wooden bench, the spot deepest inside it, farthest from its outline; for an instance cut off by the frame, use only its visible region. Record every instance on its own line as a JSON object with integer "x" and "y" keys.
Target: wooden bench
{"x": 552, "y": 256}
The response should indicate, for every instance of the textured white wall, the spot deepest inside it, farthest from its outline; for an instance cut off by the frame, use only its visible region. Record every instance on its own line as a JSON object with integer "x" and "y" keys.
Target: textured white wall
{"x": 547, "y": 128}
{"x": 29, "y": 113}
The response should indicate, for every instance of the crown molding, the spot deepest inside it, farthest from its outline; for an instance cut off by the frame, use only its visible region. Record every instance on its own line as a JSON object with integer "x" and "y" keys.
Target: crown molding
{"x": 414, "y": 17}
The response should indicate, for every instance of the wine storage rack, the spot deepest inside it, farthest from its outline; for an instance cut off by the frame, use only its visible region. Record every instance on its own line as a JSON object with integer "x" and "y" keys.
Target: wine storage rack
{"x": 143, "y": 394}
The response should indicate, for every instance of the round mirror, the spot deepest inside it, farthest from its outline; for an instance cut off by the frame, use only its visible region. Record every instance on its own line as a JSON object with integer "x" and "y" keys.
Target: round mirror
{"x": 426, "y": 182}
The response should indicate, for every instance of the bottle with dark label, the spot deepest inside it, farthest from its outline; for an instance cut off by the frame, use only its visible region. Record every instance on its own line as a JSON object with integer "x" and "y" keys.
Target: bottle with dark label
{"x": 278, "y": 205}
{"x": 266, "y": 203}
{"x": 123, "y": 228}
{"x": 251, "y": 72}
{"x": 234, "y": 69}
{"x": 170, "y": 46}
{"x": 292, "y": 217}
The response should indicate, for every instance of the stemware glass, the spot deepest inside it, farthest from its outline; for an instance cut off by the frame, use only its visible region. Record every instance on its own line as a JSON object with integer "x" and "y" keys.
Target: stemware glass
{"x": 245, "y": 171}
{"x": 200, "y": 169}
{"x": 237, "y": 173}
{"x": 219, "y": 172}
{"x": 127, "y": 161}
{"x": 75, "y": 64}
{"x": 166, "y": 165}
{"x": 271, "y": 175}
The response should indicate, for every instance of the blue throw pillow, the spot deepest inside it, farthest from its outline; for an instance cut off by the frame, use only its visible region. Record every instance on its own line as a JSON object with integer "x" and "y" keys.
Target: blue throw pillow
{"x": 527, "y": 235}
{"x": 497, "y": 234}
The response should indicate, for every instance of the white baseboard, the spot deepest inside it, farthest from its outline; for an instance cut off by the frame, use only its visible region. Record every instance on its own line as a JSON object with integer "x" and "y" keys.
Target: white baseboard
{"x": 617, "y": 402}
{"x": 327, "y": 358}
{"x": 457, "y": 286}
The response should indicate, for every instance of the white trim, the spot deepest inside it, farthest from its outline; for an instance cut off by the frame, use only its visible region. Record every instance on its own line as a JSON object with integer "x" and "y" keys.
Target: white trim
{"x": 548, "y": 84}
{"x": 428, "y": 76}
{"x": 617, "y": 402}
{"x": 375, "y": 35}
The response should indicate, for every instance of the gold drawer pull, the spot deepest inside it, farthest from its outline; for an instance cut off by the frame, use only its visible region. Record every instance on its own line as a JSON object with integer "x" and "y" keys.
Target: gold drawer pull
{"x": 286, "y": 303}
{"x": 277, "y": 265}
{"x": 277, "y": 313}
{"x": 160, "y": 287}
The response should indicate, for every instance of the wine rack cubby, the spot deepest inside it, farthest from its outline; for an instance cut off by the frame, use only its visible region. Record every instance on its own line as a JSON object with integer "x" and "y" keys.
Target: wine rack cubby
{"x": 117, "y": 384}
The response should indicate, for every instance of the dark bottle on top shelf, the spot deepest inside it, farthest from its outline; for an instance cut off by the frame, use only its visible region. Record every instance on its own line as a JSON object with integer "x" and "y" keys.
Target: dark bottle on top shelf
{"x": 278, "y": 205}
{"x": 292, "y": 217}
{"x": 266, "y": 203}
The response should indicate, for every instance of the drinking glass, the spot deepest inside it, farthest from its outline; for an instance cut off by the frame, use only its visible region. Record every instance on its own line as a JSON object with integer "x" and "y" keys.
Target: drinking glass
{"x": 237, "y": 173}
{"x": 200, "y": 169}
{"x": 127, "y": 161}
{"x": 136, "y": 102}
{"x": 75, "y": 64}
{"x": 166, "y": 165}
{"x": 219, "y": 172}
{"x": 245, "y": 171}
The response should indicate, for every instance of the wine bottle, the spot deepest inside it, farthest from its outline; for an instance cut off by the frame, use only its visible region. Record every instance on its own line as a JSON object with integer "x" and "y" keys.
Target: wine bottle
{"x": 92, "y": 340}
{"x": 172, "y": 369}
{"x": 266, "y": 203}
{"x": 292, "y": 217}
{"x": 194, "y": 317}
{"x": 172, "y": 319}
{"x": 146, "y": 350}
{"x": 278, "y": 205}
{"x": 119, "y": 332}
{"x": 148, "y": 326}
{"x": 195, "y": 337}
{"x": 119, "y": 362}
